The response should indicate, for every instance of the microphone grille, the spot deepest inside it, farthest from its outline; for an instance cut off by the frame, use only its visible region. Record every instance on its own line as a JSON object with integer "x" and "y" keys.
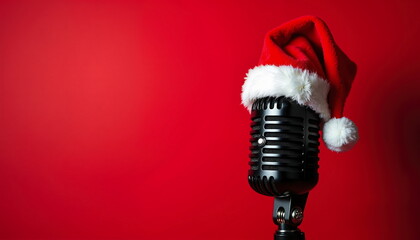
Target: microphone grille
{"x": 284, "y": 147}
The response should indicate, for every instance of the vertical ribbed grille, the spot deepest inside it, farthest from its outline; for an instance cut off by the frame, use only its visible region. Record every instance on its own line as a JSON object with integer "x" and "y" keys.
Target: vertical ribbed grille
{"x": 290, "y": 151}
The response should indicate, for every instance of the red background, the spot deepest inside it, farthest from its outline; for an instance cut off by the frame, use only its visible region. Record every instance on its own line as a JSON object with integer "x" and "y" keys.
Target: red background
{"x": 122, "y": 120}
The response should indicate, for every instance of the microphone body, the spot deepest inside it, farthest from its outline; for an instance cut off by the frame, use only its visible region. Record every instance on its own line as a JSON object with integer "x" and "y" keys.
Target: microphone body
{"x": 284, "y": 159}
{"x": 284, "y": 147}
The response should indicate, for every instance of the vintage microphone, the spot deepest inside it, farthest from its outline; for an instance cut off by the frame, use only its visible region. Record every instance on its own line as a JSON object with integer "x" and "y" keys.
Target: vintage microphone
{"x": 301, "y": 83}
{"x": 284, "y": 159}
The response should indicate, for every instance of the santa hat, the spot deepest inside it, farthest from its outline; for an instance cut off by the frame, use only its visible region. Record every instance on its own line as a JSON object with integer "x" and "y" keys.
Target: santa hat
{"x": 300, "y": 60}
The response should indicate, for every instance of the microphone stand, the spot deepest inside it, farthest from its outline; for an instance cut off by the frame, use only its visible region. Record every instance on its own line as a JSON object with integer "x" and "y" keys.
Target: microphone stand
{"x": 288, "y": 215}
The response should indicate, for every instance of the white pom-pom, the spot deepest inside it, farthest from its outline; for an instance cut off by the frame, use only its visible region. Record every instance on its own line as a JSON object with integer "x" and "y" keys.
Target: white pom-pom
{"x": 340, "y": 134}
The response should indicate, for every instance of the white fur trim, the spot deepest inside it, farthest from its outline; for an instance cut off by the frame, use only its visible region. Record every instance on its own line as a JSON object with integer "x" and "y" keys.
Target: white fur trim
{"x": 305, "y": 87}
{"x": 340, "y": 134}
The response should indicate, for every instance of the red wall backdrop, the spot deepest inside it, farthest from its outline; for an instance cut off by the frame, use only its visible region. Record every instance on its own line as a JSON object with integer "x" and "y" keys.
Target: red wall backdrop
{"x": 122, "y": 120}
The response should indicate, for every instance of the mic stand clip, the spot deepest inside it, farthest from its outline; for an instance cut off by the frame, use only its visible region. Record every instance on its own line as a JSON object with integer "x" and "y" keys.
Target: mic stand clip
{"x": 288, "y": 215}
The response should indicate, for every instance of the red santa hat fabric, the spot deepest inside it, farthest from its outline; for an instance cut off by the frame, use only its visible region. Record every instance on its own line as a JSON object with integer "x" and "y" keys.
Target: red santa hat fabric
{"x": 301, "y": 60}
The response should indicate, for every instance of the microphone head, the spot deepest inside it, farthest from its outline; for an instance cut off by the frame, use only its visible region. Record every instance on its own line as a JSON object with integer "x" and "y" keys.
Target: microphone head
{"x": 284, "y": 147}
